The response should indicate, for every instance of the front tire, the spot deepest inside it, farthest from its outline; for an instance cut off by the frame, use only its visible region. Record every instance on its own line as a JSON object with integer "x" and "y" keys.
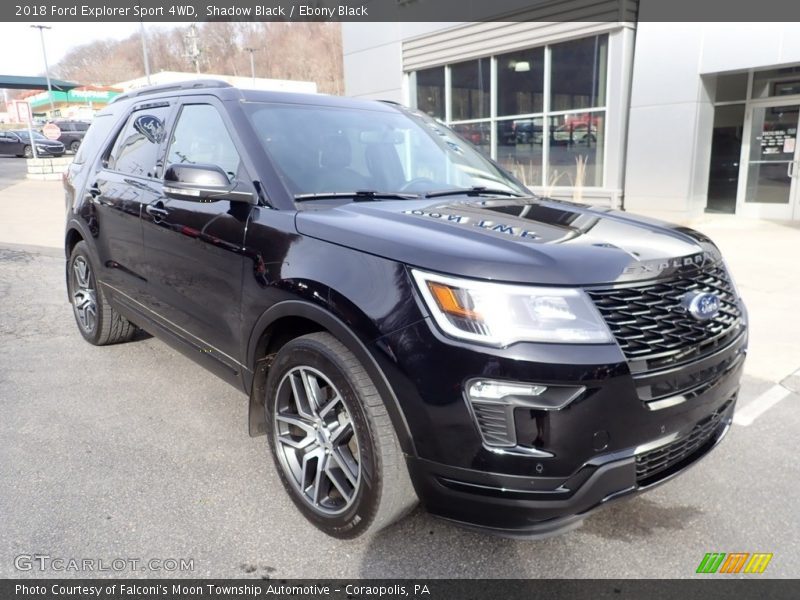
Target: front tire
{"x": 27, "y": 152}
{"x": 73, "y": 147}
{"x": 332, "y": 440}
{"x": 98, "y": 323}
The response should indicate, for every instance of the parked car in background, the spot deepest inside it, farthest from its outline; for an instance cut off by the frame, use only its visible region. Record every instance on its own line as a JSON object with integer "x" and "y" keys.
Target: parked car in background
{"x": 18, "y": 143}
{"x": 72, "y": 133}
{"x": 577, "y": 133}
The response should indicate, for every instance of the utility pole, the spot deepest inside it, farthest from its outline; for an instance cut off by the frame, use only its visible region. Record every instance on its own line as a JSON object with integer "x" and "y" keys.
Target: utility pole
{"x": 192, "y": 49}
{"x": 144, "y": 52}
{"x": 252, "y": 64}
{"x": 41, "y": 29}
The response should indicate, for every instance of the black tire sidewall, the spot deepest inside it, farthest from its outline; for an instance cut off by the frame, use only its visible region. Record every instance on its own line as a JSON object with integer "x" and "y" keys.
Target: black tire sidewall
{"x": 356, "y": 519}
{"x": 80, "y": 249}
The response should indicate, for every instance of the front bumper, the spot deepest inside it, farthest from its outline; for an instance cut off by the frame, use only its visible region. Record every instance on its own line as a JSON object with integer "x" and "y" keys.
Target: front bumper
{"x": 612, "y": 441}
{"x": 538, "y": 507}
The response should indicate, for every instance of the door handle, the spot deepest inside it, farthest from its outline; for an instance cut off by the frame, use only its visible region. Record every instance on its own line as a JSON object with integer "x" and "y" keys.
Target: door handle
{"x": 790, "y": 168}
{"x": 157, "y": 210}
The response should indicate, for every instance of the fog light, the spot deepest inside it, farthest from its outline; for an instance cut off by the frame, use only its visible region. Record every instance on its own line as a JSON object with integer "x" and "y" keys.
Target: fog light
{"x": 482, "y": 389}
{"x": 492, "y": 404}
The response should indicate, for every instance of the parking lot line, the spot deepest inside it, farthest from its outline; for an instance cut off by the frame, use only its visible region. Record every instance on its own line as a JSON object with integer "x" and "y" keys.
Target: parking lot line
{"x": 760, "y": 405}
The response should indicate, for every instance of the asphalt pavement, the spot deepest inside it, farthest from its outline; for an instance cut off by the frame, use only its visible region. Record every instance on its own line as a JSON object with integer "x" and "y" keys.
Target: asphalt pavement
{"x": 12, "y": 170}
{"x": 134, "y": 452}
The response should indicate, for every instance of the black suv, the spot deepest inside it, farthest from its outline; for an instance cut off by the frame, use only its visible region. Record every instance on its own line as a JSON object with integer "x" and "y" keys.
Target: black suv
{"x": 408, "y": 321}
{"x": 72, "y": 133}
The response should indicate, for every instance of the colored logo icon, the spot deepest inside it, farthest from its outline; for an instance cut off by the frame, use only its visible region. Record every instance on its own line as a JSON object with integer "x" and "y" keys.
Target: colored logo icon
{"x": 734, "y": 562}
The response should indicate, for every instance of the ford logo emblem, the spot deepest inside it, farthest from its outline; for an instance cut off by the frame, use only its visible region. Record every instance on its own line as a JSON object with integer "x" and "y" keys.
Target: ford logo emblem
{"x": 701, "y": 305}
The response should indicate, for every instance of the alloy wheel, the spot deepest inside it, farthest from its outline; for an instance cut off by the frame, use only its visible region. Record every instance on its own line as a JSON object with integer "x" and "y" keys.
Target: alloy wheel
{"x": 84, "y": 297}
{"x": 316, "y": 443}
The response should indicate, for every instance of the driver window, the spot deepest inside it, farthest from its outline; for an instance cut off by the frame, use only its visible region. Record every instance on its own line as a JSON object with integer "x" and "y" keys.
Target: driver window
{"x": 201, "y": 137}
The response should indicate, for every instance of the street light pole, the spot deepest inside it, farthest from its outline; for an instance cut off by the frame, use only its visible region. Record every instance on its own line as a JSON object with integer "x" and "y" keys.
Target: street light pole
{"x": 252, "y": 64}
{"x": 41, "y": 29}
{"x": 144, "y": 52}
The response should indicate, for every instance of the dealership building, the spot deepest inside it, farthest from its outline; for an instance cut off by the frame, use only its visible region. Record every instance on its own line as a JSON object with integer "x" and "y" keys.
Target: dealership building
{"x": 671, "y": 119}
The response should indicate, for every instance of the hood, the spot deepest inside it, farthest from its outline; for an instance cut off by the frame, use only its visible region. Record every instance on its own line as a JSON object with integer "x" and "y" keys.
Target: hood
{"x": 523, "y": 240}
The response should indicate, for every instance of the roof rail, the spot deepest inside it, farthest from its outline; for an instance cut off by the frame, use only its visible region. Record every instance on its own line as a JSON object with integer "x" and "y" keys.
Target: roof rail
{"x": 193, "y": 84}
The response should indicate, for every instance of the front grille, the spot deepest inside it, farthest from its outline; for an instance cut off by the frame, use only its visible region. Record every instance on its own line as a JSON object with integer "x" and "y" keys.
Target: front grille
{"x": 650, "y": 324}
{"x": 656, "y": 464}
{"x": 688, "y": 384}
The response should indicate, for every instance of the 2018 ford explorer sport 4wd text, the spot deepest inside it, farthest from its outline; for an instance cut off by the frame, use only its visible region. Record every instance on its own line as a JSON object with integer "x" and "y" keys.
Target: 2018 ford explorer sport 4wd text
{"x": 408, "y": 321}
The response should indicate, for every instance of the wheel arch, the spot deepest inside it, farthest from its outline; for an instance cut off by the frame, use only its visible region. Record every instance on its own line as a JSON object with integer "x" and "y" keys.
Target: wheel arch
{"x": 71, "y": 239}
{"x": 290, "y": 319}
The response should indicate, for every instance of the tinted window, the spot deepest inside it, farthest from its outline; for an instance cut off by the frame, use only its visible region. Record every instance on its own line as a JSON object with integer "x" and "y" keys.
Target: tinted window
{"x": 470, "y": 89}
{"x": 80, "y": 126}
{"x": 201, "y": 137}
{"x": 578, "y": 77}
{"x": 520, "y": 82}
{"x": 430, "y": 92}
{"x": 136, "y": 149}
{"x": 97, "y": 133}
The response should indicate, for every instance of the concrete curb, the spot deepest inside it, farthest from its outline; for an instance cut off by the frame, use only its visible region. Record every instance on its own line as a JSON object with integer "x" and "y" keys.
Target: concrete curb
{"x": 48, "y": 169}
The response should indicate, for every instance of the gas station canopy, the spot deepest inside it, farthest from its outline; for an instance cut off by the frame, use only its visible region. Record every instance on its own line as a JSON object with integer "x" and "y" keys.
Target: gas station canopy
{"x": 16, "y": 82}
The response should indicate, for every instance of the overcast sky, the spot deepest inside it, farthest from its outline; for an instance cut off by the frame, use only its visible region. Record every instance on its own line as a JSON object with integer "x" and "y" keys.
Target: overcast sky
{"x": 21, "y": 49}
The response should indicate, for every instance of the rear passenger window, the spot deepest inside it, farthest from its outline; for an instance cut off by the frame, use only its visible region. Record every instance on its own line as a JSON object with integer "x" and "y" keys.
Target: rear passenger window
{"x": 96, "y": 135}
{"x": 136, "y": 150}
{"x": 201, "y": 137}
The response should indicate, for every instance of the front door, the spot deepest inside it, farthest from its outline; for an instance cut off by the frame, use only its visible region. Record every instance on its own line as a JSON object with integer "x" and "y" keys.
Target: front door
{"x": 770, "y": 186}
{"x": 194, "y": 249}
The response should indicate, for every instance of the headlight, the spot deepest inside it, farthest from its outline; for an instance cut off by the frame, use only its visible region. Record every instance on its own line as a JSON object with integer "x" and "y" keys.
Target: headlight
{"x": 501, "y": 314}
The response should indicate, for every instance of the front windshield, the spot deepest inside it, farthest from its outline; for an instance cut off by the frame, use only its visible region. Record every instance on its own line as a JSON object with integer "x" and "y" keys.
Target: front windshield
{"x": 36, "y": 135}
{"x": 321, "y": 150}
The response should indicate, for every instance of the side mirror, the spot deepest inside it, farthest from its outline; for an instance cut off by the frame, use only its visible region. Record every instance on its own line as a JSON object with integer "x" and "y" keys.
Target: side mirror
{"x": 202, "y": 183}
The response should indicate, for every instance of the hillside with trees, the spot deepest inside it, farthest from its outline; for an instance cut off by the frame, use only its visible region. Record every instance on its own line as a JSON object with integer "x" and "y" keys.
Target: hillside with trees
{"x": 299, "y": 51}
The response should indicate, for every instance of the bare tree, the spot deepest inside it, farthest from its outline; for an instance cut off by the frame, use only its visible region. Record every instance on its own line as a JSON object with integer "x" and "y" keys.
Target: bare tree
{"x": 298, "y": 51}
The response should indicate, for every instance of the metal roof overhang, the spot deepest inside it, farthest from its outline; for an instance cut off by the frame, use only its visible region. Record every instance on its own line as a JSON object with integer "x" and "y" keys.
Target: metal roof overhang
{"x": 16, "y": 82}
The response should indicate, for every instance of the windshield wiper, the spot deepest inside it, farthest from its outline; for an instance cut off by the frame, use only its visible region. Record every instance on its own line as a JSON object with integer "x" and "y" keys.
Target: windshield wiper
{"x": 357, "y": 196}
{"x": 477, "y": 190}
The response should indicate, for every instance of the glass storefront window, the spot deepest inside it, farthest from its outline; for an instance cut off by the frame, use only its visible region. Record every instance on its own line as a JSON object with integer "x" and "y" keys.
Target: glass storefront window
{"x": 524, "y": 127}
{"x": 520, "y": 82}
{"x": 430, "y": 92}
{"x": 576, "y": 150}
{"x": 726, "y": 147}
{"x": 776, "y": 82}
{"x": 578, "y": 74}
{"x": 470, "y": 82}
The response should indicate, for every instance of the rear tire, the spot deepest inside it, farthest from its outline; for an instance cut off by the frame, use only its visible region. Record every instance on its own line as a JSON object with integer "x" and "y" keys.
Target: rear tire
{"x": 98, "y": 323}
{"x": 332, "y": 441}
{"x": 73, "y": 147}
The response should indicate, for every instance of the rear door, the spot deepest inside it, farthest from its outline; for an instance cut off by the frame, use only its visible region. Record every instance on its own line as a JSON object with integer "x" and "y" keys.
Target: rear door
{"x": 10, "y": 143}
{"x": 194, "y": 249}
{"x": 127, "y": 181}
